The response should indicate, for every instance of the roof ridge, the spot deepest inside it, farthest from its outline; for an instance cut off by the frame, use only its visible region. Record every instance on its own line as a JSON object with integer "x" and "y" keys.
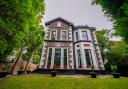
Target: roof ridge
{"x": 59, "y": 18}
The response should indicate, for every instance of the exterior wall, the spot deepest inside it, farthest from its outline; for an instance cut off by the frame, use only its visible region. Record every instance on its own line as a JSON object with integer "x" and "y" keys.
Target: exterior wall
{"x": 71, "y": 45}
{"x": 58, "y": 43}
{"x": 91, "y": 44}
{"x": 97, "y": 51}
{"x": 53, "y": 26}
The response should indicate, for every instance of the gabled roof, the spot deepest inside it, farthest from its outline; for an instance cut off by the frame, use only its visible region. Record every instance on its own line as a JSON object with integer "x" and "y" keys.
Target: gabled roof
{"x": 84, "y": 26}
{"x": 59, "y": 18}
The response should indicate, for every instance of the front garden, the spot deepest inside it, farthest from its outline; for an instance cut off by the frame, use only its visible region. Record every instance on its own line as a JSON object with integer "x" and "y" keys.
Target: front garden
{"x": 45, "y": 82}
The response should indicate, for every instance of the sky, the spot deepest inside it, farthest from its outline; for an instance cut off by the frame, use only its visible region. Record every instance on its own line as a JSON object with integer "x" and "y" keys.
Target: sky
{"x": 79, "y": 12}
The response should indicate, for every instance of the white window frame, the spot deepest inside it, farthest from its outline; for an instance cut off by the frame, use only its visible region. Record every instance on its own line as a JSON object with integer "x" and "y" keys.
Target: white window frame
{"x": 56, "y": 34}
{"x": 80, "y": 58}
{"x": 66, "y": 34}
{"x": 90, "y": 55}
{"x": 86, "y": 35}
{"x": 53, "y": 53}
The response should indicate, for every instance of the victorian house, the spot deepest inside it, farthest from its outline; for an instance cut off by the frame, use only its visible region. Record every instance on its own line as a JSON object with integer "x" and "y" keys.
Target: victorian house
{"x": 70, "y": 47}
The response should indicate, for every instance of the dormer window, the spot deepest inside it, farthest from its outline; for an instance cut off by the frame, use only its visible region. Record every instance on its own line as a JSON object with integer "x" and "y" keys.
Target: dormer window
{"x": 84, "y": 35}
{"x": 63, "y": 35}
{"x": 53, "y": 35}
{"x": 58, "y": 24}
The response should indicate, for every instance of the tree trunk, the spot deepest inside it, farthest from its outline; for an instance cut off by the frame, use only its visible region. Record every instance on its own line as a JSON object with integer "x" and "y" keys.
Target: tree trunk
{"x": 13, "y": 67}
{"x": 28, "y": 61}
{"x": 1, "y": 67}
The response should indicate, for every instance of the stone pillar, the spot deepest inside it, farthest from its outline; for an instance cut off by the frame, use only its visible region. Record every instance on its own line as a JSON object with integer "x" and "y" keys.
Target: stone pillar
{"x": 62, "y": 59}
{"x": 71, "y": 56}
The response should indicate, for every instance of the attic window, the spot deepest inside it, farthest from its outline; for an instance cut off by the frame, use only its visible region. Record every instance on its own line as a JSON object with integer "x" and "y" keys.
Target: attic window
{"x": 58, "y": 24}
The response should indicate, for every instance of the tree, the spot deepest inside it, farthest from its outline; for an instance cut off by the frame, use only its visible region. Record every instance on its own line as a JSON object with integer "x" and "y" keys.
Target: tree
{"x": 37, "y": 55}
{"x": 113, "y": 52}
{"x": 117, "y": 54}
{"x": 17, "y": 17}
{"x": 103, "y": 40}
{"x": 116, "y": 11}
{"x": 35, "y": 40}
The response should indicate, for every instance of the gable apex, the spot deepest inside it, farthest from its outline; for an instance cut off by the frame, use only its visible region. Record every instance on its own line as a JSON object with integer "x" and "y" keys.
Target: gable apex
{"x": 61, "y": 19}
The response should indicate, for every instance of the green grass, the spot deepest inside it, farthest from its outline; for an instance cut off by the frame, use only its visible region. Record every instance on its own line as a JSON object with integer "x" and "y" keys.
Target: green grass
{"x": 39, "y": 82}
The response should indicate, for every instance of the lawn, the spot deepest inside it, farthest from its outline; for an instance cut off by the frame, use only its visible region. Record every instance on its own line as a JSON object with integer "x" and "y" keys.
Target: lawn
{"x": 39, "y": 82}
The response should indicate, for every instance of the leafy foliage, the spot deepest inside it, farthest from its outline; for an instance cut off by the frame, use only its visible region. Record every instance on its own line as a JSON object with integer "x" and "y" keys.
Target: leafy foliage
{"x": 116, "y": 11}
{"x": 17, "y": 17}
{"x": 117, "y": 53}
{"x": 113, "y": 52}
{"x": 113, "y": 68}
{"x": 34, "y": 43}
{"x": 103, "y": 40}
{"x": 37, "y": 55}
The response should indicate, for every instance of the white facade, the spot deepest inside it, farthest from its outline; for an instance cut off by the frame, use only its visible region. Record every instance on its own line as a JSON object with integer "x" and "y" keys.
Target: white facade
{"x": 88, "y": 44}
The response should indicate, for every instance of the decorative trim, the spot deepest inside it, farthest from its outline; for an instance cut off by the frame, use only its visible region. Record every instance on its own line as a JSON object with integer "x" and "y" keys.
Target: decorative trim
{"x": 82, "y": 41}
{"x": 83, "y": 27}
{"x": 57, "y": 41}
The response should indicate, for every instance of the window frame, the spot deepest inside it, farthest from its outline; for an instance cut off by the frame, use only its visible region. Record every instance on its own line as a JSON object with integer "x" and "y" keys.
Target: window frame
{"x": 51, "y": 34}
{"x": 86, "y": 35}
{"x": 53, "y": 57}
{"x": 66, "y": 35}
{"x": 56, "y": 56}
{"x": 90, "y": 57}
{"x": 48, "y": 57}
{"x": 64, "y": 59}
{"x": 77, "y": 39}
{"x": 79, "y": 59}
